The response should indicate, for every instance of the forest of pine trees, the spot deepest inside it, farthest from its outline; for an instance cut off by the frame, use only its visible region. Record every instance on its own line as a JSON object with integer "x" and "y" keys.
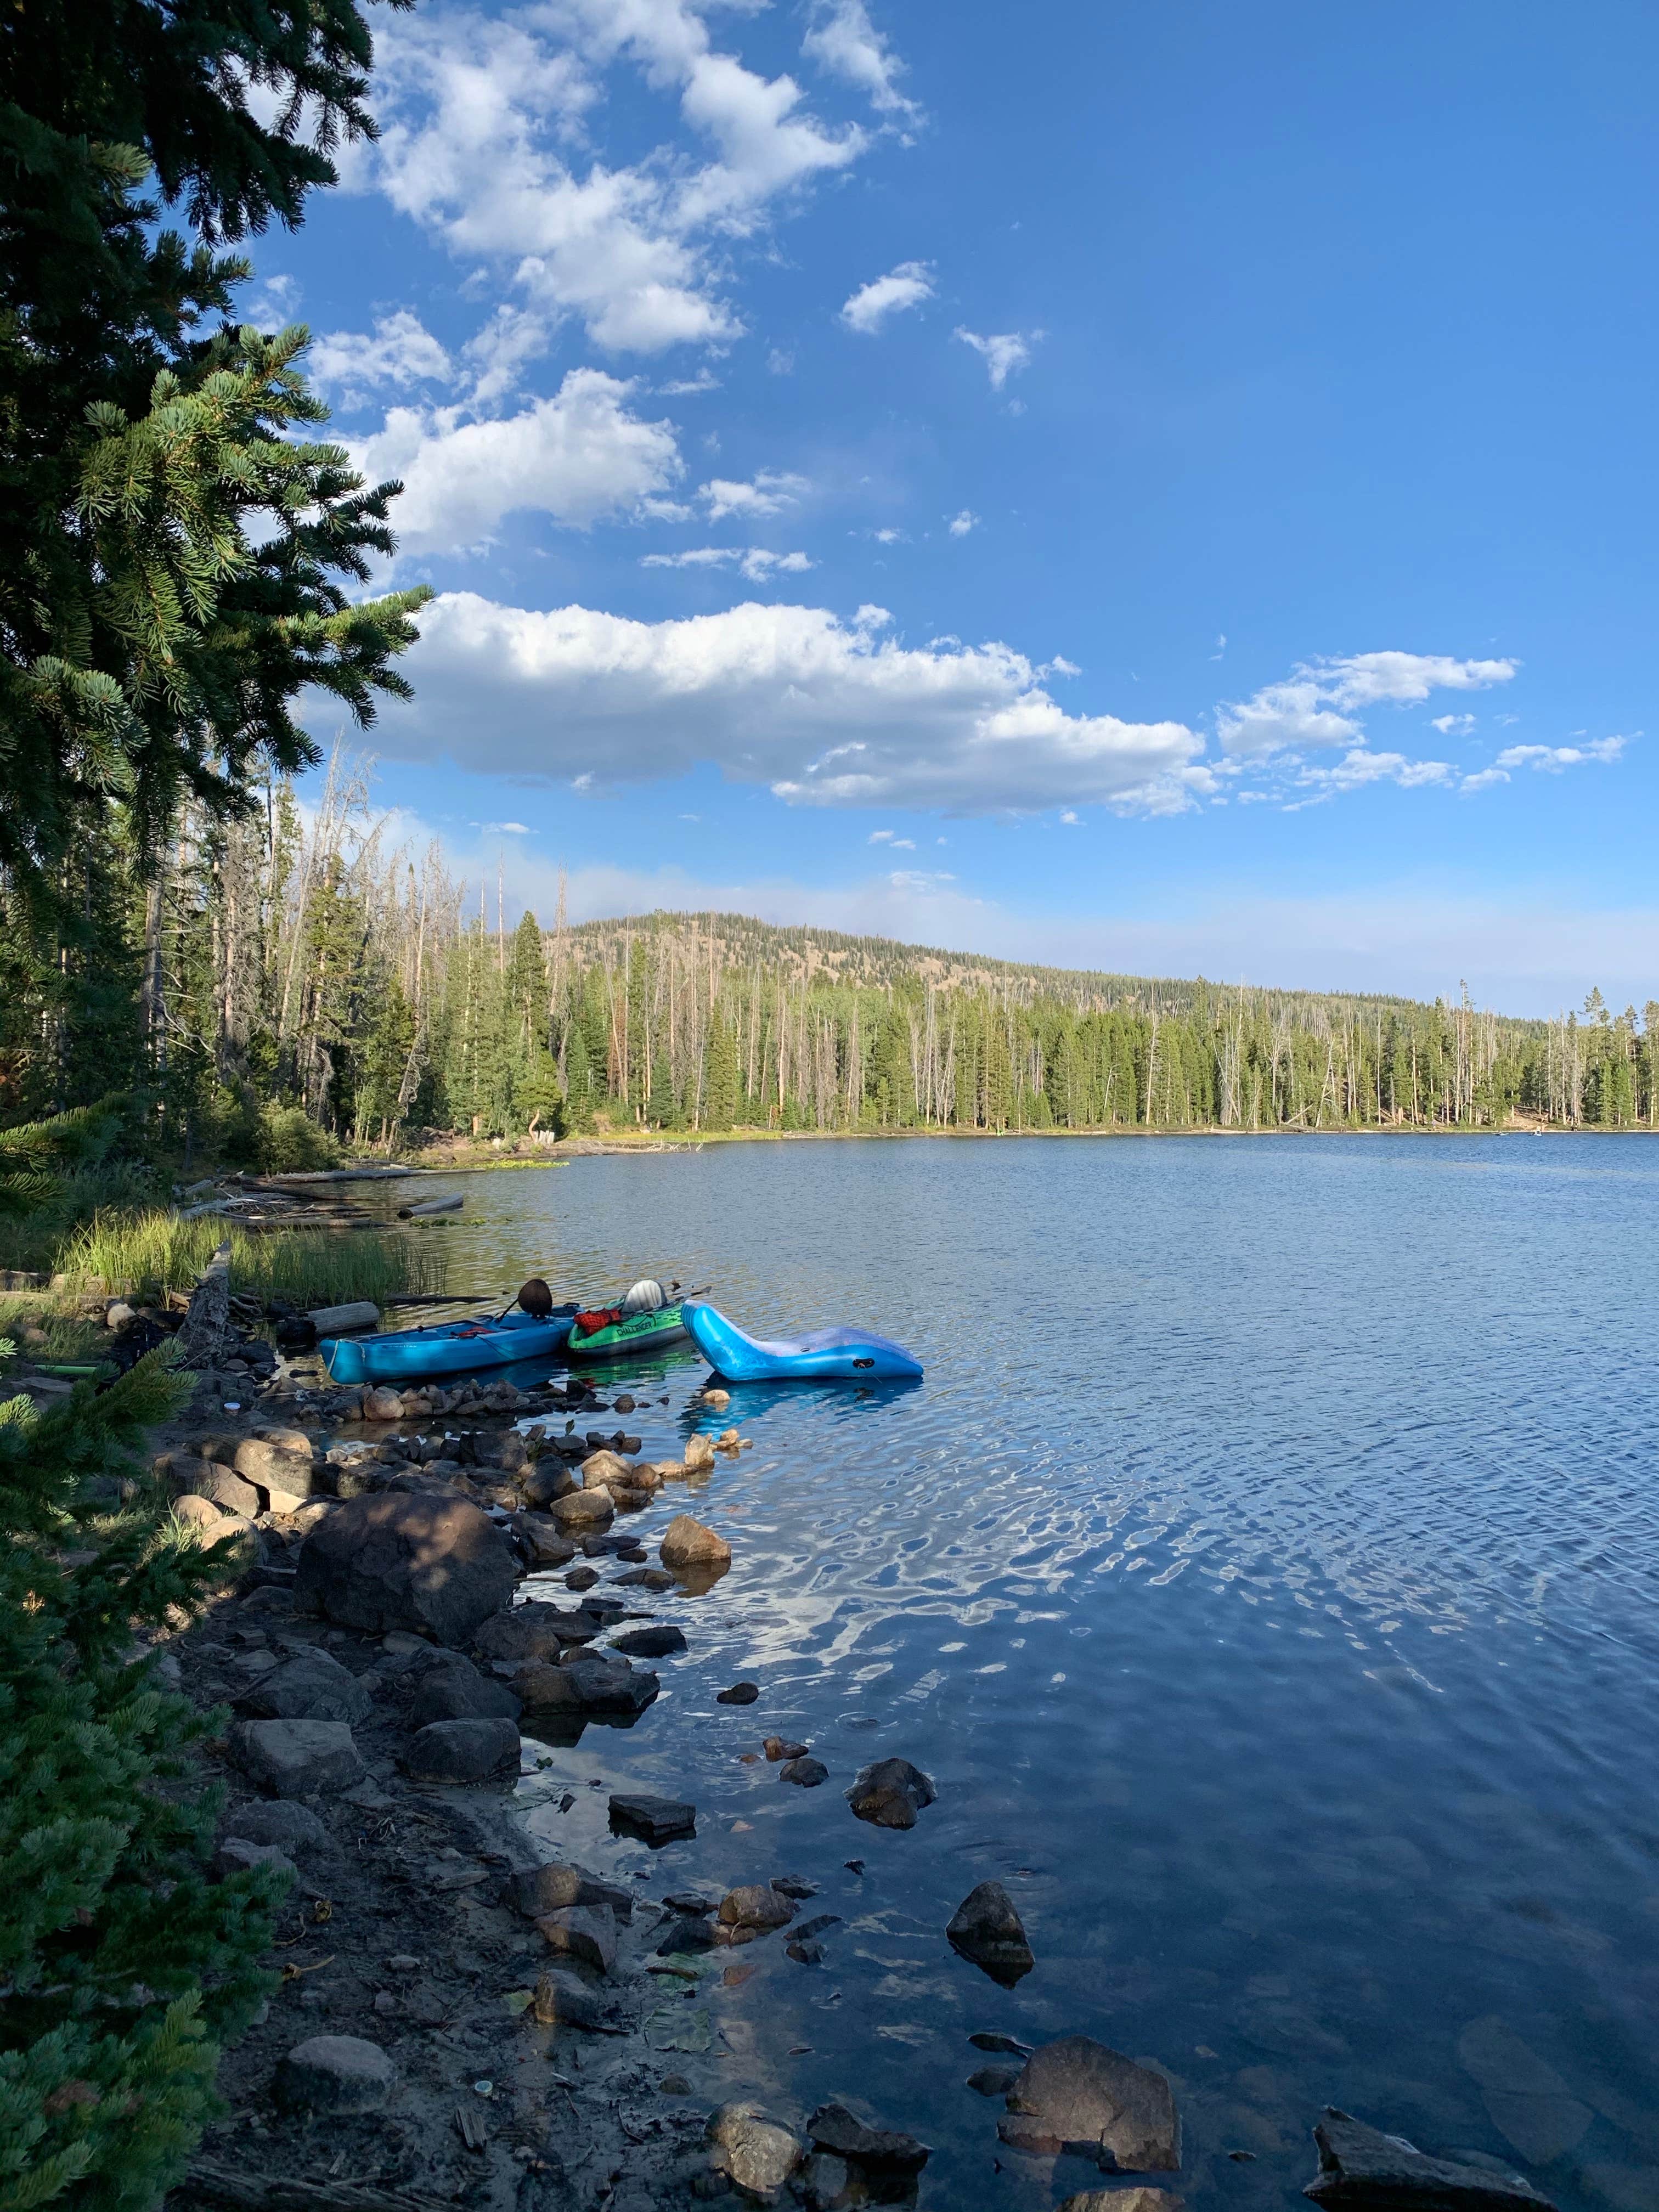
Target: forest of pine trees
{"x": 286, "y": 982}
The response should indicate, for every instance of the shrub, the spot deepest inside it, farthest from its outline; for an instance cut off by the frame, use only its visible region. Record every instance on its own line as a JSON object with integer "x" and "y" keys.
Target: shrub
{"x": 123, "y": 1966}
{"x": 290, "y": 1142}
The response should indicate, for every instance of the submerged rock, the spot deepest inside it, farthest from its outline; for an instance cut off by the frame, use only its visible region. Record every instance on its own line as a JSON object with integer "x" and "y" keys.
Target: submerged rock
{"x": 655, "y": 1820}
{"x": 758, "y": 2153}
{"x": 757, "y": 1905}
{"x": 740, "y": 1693}
{"x": 890, "y": 1793}
{"x": 987, "y": 1931}
{"x": 806, "y": 1773}
{"x": 1076, "y": 2096}
{"x": 1359, "y": 2165}
{"x": 833, "y": 2127}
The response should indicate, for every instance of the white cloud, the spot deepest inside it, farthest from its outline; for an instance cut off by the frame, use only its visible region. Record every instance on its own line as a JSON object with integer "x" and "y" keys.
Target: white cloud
{"x": 482, "y": 119}
{"x": 890, "y": 837}
{"x": 685, "y": 387}
{"x": 273, "y": 303}
{"x": 402, "y": 352}
{"x": 506, "y": 828}
{"x": 1547, "y": 760}
{"x": 779, "y": 363}
{"x": 577, "y": 457}
{"x": 1002, "y": 355}
{"x": 962, "y": 523}
{"x": 770, "y": 492}
{"x": 845, "y": 42}
{"x": 755, "y": 562}
{"x": 889, "y": 537}
{"x": 1072, "y": 820}
{"x": 871, "y": 305}
{"x": 1317, "y": 704}
{"x": 827, "y": 713}
{"x": 1453, "y": 725}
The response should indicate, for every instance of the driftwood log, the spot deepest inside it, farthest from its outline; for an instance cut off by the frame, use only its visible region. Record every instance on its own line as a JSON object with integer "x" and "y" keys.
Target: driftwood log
{"x": 207, "y": 1324}
{"x": 208, "y": 2182}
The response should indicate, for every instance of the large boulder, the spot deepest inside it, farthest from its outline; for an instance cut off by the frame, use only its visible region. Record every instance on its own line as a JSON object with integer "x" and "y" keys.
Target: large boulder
{"x": 757, "y": 2152}
{"x": 431, "y": 1563}
{"x": 535, "y": 1631}
{"x": 986, "y": 1929}
{"x": 688, "y": 1544}
{"x": 310, "y": 1686}
{"x": 890, "y": 1793}
{"x": 451, "y": 1688}
{"x": 297, "y": 1759}
{"x": 335, "y": 2075}
{"x": 1359, "y": 2165}
{"x": 462, "y": 1751}
{"x": 597, "y": 1689}
{"x": 272, "y": 1465}
{"x": 1076, "y": 2096}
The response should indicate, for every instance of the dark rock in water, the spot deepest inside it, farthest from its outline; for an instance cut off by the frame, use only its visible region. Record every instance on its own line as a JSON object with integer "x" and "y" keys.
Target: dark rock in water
{"x": 853, "y": 1866}
{"x": 1076, "y": 2096}
{"x": 986, "y": 2040}
{"x": 451, "y": 1688}
{"x": 586, "y": 1933}
{"x": 793, "y": 1885}
{"x": 535, "y": 1631}
{"x": 806, "y": 1950}
{"x": 463, "y": 1751}
{"x": 430, "y": 1563}
{"x": 546, "y": 1544}
{"x": 987, "y": 1931}
{"x": 740, "y": 1693}
{"x": 654, "y": 1819}
{"x": 687, "y": 1934}
{"x": 993, "y": 2080}
{"x": 682, "y": 1901}
{"x": 309, "y": 1687}
{"x": 779, "y": 1747}
{"x": 816, "y": 1926}
{"x": 655, "y": 1643}
{"x": 539, "y": 1890}
{"x": 581, "y": 1579}
{"x": 825, "y": 2182}
{"x": 890, "y": 1793}
{"x": 807, "y": 1772}
{"x": 832, "y": 2127}
{"x": 599, "y": 1688}
{"x": 1359, "y": 2165}
{"x": 758, "y": 1905}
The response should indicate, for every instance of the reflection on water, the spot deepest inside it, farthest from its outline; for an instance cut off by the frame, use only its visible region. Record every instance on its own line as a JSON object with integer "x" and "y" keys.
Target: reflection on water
{"x": 1265, "y": 1574}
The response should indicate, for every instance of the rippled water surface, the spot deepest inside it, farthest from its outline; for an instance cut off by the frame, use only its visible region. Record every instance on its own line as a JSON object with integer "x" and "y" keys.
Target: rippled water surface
{"x": 1264, "y": 1573}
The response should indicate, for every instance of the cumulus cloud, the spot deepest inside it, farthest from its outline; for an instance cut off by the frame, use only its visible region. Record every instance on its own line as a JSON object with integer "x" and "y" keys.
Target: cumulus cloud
{"x": 826, "y": 712}
{"x": 873, "y": 304}
{"x": 482, "y": 144}
{"x": 1453, "y": 725}
{"x": 402, "y": 352}
{"x": 962, "y": 523}
{"x": 844, "y": 42}
{"x": 1002, "y": 355}
{"x": 892, "y": 837}
{"x": 770, "y": 492}
{"x": 580, "y": 456}
{"x": 754, "y": 562}
{"x": 1319, "y": 703}
{"x": 1546, "y": 760}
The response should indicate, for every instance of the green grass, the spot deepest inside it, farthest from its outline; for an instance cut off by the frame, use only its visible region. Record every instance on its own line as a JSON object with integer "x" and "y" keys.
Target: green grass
{"x": 152, "y": 1253}
{"x": 36, "y": 1329}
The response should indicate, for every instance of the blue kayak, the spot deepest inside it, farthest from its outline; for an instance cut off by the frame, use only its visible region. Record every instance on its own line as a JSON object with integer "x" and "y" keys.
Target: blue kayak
{"x": 851, "y": 1355}
{"x": 450, "y": 1347}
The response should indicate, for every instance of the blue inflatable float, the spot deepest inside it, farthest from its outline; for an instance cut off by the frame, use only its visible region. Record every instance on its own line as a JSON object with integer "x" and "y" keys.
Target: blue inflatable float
{"x": 851, "y": 1355}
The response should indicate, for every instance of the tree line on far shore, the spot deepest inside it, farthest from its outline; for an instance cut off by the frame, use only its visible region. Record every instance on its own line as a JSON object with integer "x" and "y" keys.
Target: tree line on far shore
{"x": 282, "y": 982}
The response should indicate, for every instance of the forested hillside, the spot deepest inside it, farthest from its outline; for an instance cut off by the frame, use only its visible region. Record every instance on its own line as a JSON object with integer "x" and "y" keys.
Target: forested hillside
{"x": 284, "y": 979}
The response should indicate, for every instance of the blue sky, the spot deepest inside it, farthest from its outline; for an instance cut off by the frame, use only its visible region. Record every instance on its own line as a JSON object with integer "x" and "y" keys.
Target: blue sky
{"x": 1163, "y": 489}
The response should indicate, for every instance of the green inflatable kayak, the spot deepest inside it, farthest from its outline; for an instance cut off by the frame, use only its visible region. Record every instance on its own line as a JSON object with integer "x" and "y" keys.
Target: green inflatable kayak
{"x": 612, "y": 1332}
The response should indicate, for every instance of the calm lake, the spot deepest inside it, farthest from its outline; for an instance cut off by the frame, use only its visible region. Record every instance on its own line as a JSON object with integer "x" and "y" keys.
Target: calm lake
{"x": 1265, "y": 1573}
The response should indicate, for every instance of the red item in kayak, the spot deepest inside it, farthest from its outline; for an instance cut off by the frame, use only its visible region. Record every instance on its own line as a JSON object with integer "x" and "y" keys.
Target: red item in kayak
{"x": 590, "y": 1324}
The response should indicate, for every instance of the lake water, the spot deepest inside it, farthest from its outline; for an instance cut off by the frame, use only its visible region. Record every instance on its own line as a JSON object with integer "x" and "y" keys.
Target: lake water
{"x": 1265, "y": 1573}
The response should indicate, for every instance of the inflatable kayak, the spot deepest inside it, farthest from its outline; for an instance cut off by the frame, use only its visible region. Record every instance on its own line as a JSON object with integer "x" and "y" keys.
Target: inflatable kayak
{"x": 852, "y": 1355}
{"x": 451, "y": 1347}
{"x": 617, "y": 1332}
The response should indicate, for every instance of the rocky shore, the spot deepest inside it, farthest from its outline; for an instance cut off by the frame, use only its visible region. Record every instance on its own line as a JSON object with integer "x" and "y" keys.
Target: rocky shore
{"x": 443, "y": 1589}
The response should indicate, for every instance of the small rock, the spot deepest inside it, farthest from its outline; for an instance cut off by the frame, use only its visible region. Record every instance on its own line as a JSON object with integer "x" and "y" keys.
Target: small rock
{"x": 311, "y": 1687}
{"x": 1077, "y": 2097}
{"x": 759, "y": 2153}
{"x": 544, "y": 1542}
{"x": 806, "y": 1950}
{"x": 778, "y": 1747}
{"x": 584, "y": 1508}
{"x": 625, "y": 1404}
{"x": 890, "y": 1793}
{"x": 699, "y": 1453}
{"x": 807, "y": 1773}
{"x": 297, "y": 1759}
{"x": 564, "y": 2000}
{"x": 536, "y": 1630}
{"x": 608, "y": 1687}
{"x": 674, "y": 2085}
{"x": 451, "y": 1688}
{"x": 118, "y": 1315}
{"x": 985, "y": 1930}
{"x": 586, "y": 1933}
{"x": 833, "y": 2127}
{"x": 825, "y": 2182}
{"x": 239, "y": 1855}
{"x": 384, "y": 2002}
{"x": 740, "y": 1693}
{"x": 462, "y": 1751}
{"x": 291, "y": 1828}
{"x": 655, "y": 1643}
{"x": 605, "y": 1470}
{"x": 581, "y": 1579}
{"x": 381, "y": 1403}
{"x": 756, "y": 1906}
{"x": 1123, "y": 2200}
{"x": 201, "y": 1513}
{"x": 986, "y": 2040}
{"x": 993, "y": 2080}
{"x": 539, "y": 1890}
{"x": 717, "y": 1400}
{"x": 688, "y": 1543}
{"x": 655, "y": 1820}
{"x": 402, "y": 1962}
{"x": 335, "y": 2075}
{"x": 1360, "y": 2166}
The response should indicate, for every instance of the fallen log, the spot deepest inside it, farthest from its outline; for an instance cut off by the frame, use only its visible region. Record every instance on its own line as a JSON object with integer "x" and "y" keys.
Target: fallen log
{"x": 343, "y": 1174}
{"x": 344, "y": 1321}
{"x": 432, "y": 1206}
{"x": 208, "y": 2182}
{"x": 207, "y": 1323}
